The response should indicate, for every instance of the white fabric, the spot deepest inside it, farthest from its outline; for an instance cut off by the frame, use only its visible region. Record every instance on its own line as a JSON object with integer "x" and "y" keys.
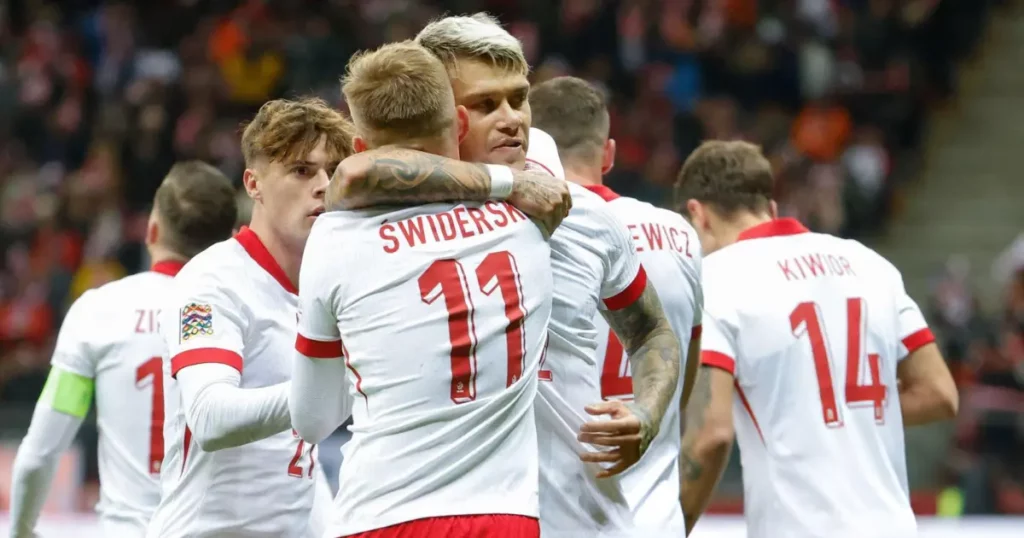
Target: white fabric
{"x": 542, "y": 155}
{"x": 110, "y": 334}
{"x": 263, "y": 488}
{"x": 385, "y": 282}
{"x": 222, "y": 415}
{"x": 49, "y": 435}
{"x": 501, "y": 181}
{"x": 670, "y": 252}
{"x": 806, "y": 477}
{"x": 320, "y": 400}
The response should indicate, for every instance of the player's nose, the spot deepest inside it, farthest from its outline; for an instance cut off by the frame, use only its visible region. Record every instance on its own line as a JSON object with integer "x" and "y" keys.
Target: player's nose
{"x": 510, "y": 120}
{"x": 320, "y": 183}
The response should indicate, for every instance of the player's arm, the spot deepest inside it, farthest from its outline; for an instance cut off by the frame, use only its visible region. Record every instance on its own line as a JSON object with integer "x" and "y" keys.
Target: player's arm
{"x": 634, "y": 312}
{"x": 707, "y": 440}
{"x": 320, "y": 400}
{"x": 205, "y": 339}
{"x": 58, "y": 415}
{"x": 397, "y": 176}
{"x": 926, "y": 387}
{"x": 692, "y": 367}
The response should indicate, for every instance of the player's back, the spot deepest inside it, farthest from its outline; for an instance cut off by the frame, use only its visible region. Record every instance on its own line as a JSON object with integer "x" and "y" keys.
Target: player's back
{"x": 116, "y": 341}
{"x": 670, "y": 251}
{"x": 233, "y": 301}
{"x": 442, "y": 312}
{"x": 589, "y": 269}
{"x": 816, "y": 324}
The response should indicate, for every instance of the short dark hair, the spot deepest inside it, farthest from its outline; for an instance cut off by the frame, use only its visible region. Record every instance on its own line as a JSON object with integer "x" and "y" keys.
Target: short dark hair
{"x": 574, "y": 113}
{"x": 196, "y": 207}
{"x": 728, "y": 175}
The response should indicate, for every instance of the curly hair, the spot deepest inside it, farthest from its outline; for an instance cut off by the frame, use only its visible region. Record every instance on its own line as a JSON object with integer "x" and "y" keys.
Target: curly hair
{"x": 285, "y": 130}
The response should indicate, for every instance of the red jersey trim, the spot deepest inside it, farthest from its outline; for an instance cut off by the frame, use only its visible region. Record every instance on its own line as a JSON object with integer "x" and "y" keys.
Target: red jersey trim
{"x": 205, "y": 355}
{"x": 773, "y": 228}
{"x": 718, "y": 360}
{"x": 918, "y": 340}
{"x": 167, "y": 267}
{"x": 603, "y": 191}
{"x": 541, "y": 165}
{"x": 259, "y": 253}
{"x": 696, "y": 331}
{"x": 629, "y": 295}
{"x": 318, "y": 349}
{"x": 746, "y": 405}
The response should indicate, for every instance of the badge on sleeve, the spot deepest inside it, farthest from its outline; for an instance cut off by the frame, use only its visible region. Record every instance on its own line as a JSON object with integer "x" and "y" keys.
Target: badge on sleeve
{"x": 196, "y": 320}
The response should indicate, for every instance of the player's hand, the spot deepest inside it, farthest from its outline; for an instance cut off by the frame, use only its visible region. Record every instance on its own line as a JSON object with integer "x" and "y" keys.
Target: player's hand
{"x": 627, "y": 433}
{"x": 544, "y": 198}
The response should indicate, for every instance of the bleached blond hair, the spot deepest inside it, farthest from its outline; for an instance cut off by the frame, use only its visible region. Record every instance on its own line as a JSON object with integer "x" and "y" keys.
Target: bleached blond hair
{"x": 479, "y": 36}
{"x": 398, "y": 92}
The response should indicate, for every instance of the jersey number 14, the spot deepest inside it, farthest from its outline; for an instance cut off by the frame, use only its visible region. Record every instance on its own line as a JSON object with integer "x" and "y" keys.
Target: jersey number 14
{"x": 806, "y": 319}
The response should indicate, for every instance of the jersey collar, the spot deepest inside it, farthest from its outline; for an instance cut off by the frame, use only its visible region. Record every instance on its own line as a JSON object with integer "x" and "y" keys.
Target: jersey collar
{"x": 167, "y": 267}
{"x": 773, "y": 228}
{"x": 259, "y": 253}
{"x": 603, "y": 191}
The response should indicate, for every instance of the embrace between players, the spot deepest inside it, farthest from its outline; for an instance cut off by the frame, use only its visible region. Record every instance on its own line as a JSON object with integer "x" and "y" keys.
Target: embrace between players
{"x": 510, "y": 347}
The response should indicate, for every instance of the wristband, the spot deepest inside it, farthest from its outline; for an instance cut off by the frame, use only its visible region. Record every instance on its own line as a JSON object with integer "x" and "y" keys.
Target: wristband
{"x": 501, "y": 181}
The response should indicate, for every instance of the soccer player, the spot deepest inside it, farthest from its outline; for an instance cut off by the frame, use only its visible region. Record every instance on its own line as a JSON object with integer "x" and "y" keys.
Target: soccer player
{"x": 574, "y": 114}
{"x": 234, "y": 467}
{"x": 814, "y": 351}
{"x": 109, "y": 345}
{"x": 443, "y": 313}
{"x": 595, "y": 269}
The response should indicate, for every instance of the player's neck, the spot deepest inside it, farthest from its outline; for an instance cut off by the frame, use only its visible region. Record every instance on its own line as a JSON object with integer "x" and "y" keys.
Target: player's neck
{"x": 160, "y": 254}
{"x": 584, "y": 176}
{"x": 731, "y": 229}
{"x": 286, "y": 255}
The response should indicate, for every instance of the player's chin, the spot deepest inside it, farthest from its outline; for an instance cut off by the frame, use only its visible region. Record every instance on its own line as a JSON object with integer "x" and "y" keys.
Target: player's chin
{"x": 514, "y": 157}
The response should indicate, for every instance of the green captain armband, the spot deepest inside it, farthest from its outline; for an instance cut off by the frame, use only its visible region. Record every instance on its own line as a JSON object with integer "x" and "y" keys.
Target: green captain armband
{"x": 68, "y": 392}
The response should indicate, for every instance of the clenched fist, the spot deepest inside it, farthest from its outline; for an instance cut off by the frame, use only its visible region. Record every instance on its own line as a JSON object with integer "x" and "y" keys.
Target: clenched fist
{"x": 544, "y": 198}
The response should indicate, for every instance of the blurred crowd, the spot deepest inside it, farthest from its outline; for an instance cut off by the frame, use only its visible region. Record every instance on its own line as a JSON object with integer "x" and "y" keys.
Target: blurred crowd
{"x": 99, "y": 98}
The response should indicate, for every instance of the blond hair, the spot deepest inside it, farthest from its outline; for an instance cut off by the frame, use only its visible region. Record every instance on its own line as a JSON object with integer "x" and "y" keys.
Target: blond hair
{"x": 398, "y": 92}
{"x": 285, "y": 130}
{"x": 478, "y": 36}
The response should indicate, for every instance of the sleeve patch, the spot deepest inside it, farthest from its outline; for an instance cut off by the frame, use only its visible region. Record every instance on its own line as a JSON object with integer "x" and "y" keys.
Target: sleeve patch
{"x": 196, "y": 320}
{"x": 68, "y": 392}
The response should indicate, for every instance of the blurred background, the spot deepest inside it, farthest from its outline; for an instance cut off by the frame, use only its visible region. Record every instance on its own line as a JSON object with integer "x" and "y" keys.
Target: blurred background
{"x": 895, "y": 122}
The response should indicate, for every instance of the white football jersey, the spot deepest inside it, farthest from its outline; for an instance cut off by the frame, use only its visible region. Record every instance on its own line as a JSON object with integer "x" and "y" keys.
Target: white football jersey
{"x": 111, "y": 334}
{"x": 233, "y": 305}
{"x": 813, "y": 327}
{"x": 595, "y": 266}
{"x": 442, "y": 311}
{"x": 670, "y": 252}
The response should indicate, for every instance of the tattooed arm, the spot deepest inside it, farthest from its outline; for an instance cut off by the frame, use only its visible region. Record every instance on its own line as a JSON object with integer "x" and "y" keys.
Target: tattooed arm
{"x": 653, "y": 351}
{"x": 399, "y": 176}
{"x": 707, "y": 441}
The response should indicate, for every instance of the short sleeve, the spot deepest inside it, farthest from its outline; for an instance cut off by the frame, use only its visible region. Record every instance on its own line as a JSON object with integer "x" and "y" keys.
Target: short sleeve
{"x": 79, "y": 342}
{"x": 542, "y": 154}
{"x": 719, "y": 331}
{"x": 913, "y": 329}
{"x": 204, "y": 323}
{"x": 318, "y": 336}
{"x": 625, "y": 278}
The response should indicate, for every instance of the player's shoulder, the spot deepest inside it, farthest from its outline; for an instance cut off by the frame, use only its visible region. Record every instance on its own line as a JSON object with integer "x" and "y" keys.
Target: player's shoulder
{"x": 864, "y": 255}
{"x": 223, "y": 263}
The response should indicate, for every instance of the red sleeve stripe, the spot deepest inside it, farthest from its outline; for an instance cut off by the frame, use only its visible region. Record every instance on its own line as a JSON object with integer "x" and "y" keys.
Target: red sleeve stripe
{"x": 718, "y": 360}
{"x": 629, "y": 295}
{"x": 918, "y": 340}
{"x": 695, "y": 332}
{"x": 318, "y": 349}
{"x": 205, "y": 355}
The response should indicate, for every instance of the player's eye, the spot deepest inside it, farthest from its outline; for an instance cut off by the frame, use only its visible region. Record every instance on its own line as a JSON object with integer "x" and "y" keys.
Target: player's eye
{"x": 487, "y": 105}
{"x": 303, "y": 171}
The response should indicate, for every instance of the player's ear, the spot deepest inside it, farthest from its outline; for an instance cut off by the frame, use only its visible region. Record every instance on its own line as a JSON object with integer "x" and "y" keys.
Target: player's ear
{"x": 153, "y": 228}
{"x": 697, "y": 216}
{"x": 462, "y": 116}
{"x": 608, "y": 156}
{"x": 359, "y": 145}
{"x": 773, "y": 208}
{"x": 250, "y": 180}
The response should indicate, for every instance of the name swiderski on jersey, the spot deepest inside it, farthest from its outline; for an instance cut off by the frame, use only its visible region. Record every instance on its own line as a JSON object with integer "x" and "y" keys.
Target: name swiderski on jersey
{"x": 458, "y": 223}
